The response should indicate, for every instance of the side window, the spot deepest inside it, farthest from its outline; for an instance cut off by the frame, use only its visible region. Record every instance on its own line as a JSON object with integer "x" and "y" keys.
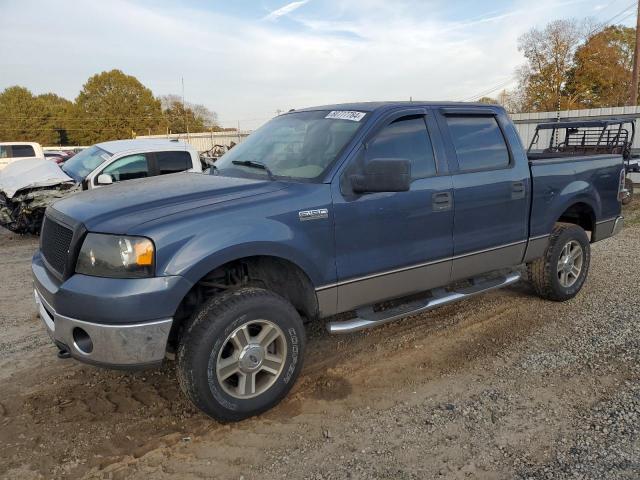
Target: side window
{"x": 128, "y": 168}
{"x": 479, "y": 142}
{"x": 5, "y": 151}
{"x": 22, "y": 151}
{"x": 173, "y": 162}
{"x": 407, "y": 138}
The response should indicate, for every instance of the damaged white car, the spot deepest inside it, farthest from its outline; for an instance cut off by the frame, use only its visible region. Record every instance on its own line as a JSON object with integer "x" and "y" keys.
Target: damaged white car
{"x": 29, "y": 186}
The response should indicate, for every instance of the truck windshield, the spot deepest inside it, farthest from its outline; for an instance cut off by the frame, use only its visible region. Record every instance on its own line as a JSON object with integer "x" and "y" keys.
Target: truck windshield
{"x": 300, "y": 145}
{"x": 85, "y": 162}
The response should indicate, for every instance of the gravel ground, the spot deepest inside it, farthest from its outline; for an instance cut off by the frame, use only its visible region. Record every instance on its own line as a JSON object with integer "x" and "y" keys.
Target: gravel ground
{"x": 499, "y": 387}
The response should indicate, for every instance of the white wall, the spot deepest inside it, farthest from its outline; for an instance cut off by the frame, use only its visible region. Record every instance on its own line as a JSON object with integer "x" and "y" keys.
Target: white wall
{"x": 526, "y": 122}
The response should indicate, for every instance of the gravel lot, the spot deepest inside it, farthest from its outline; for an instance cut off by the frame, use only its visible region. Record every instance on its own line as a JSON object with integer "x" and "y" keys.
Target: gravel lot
{"x": 502, "y": 386}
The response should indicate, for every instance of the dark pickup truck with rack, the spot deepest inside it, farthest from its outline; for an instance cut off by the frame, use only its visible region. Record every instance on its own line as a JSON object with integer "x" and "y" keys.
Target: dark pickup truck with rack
{"x": 321, "y": 211}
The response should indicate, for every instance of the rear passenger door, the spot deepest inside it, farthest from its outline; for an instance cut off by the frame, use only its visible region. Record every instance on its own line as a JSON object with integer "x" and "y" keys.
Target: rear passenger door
{"x": 391, "y": 244}
{"x": 491, "y": 190}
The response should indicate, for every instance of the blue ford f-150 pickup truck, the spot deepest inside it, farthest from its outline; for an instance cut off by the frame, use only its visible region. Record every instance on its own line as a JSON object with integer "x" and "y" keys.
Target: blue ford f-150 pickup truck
{"x": 321, "y": 211}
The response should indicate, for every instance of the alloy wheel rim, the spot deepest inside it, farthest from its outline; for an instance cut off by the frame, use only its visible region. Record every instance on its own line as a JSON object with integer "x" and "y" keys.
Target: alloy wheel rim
{"x": 570, "y": 264}
{"x": 251, "y": 359}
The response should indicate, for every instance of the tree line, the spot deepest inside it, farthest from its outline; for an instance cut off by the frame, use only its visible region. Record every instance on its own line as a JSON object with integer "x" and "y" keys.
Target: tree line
{"x": 571, "y": 64}
{"x": 111, "y": 105}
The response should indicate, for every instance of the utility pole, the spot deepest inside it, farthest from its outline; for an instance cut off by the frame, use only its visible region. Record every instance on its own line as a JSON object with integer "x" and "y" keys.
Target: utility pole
{"x": 184, "y": 110}
{"x": 633, "y": 94}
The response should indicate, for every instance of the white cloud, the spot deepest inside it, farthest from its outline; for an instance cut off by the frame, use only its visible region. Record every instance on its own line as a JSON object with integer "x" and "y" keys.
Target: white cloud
{"x": 285, "y": 10}
{"x": 245, "y": 70}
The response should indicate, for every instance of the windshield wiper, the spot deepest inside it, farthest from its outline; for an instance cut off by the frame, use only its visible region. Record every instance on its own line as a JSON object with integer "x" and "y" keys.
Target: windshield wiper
{"x": 252, "y": 164}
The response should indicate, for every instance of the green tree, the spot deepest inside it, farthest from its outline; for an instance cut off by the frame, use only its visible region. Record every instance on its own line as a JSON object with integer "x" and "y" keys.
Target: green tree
{"x": 20, "y": 115}
{"x": 25, "y": 117}
{"x": 114, "y": 105}
{"x": 601, "y": 75}
{"x": 180, "y": 118}
{"x": 57, "y": 116}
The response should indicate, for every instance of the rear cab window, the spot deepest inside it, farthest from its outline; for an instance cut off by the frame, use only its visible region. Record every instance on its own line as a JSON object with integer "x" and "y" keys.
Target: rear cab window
{"x": 173, "y": 162}
{"x": 16, "y": 151}
{"x": 22, "y": 151}
{"x": 478, "y": 142}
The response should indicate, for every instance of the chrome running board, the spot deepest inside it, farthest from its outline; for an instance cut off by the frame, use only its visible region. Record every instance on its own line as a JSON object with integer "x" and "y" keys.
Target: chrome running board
{"x": 368, "y": 318}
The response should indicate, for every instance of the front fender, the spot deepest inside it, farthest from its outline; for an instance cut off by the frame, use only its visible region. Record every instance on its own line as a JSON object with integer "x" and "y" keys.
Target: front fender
{"x": 194, "y": 245}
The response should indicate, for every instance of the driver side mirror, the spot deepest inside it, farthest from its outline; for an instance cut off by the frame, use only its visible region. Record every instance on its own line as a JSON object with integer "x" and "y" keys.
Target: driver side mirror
{"x": 105, "y": 179}
{"x": 383, "y": 175}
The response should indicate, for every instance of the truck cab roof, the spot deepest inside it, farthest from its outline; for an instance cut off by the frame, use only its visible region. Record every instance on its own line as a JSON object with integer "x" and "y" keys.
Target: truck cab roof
{"x": 146, "y": 144}
{"x": 379, "y": 106}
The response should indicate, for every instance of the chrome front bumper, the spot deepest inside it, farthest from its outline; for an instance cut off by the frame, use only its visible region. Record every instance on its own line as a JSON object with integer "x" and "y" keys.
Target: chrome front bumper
{"x": 127, "y": 346}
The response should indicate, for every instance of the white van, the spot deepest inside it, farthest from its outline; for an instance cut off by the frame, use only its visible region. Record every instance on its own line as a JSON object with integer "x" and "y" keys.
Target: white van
{"x": 12, "y": 151}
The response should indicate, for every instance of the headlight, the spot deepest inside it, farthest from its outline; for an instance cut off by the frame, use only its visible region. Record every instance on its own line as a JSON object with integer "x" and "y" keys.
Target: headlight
{"x": 116, "y": 256}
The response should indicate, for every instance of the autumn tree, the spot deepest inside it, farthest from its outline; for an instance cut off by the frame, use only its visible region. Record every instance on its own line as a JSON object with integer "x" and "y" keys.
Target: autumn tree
{"x": 181, "y": 117}
{"x": 114, "y": 105}
{"x": 549, "y": 53}
{"x": 601, "y": 74}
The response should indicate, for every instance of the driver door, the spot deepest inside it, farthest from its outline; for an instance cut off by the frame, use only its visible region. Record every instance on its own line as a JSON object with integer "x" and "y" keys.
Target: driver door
{"x": 392, "y": 244}
{"x": 125, "y": 168}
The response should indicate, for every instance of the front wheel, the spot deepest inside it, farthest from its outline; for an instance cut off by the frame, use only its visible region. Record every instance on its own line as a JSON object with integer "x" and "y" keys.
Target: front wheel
{"x": 561, "y": 272}
{"x": 241, "y": 353}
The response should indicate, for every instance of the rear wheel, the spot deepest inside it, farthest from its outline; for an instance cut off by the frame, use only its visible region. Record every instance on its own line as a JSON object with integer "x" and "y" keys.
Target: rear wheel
{"x": 241, "y": 353}
{"x": 561, "y": 272}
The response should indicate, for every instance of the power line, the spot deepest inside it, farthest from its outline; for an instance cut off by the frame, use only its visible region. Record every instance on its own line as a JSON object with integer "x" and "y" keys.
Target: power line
{"x": 600, "y": 27}
{"x": 488, "y": 90}
{"x": 608, "y": 22}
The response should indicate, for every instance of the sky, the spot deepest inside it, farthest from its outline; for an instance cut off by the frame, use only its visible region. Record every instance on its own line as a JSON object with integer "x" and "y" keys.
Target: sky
{"x": 246, "y": 60}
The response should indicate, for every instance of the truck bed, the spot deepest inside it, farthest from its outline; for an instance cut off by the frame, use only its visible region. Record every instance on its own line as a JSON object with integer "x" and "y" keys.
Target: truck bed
{"x": 591, "y": 181}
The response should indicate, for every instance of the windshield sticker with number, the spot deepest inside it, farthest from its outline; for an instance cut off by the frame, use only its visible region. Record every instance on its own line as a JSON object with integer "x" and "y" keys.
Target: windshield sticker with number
{"x": 346, "y": 115}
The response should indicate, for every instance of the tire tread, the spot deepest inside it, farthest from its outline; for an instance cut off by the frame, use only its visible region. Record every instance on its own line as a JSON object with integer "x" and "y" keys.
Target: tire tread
{"x": 212, "y": 311}
{"x": 540, "y": 270}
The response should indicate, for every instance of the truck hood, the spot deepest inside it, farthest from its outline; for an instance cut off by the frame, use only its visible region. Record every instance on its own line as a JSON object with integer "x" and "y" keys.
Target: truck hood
{"x": 117, "y": 208}
{"x": 31, "y": 173}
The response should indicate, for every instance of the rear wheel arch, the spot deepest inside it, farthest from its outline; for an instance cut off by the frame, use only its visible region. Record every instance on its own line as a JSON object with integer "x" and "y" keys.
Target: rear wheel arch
{"x": 579, "y": 213}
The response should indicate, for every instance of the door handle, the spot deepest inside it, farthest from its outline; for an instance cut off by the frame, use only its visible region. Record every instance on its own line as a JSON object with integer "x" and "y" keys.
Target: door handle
{"x": 441, "y": 201}
{"x": 517, "y": 190}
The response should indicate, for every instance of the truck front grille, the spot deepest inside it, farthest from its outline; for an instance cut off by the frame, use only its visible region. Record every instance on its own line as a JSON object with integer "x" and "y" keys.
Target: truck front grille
{"x": 55, "y": 243}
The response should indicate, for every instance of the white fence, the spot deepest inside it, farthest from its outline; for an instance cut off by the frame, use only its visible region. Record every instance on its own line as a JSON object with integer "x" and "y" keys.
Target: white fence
{"x": 526, "y": 122}
{"x": 205, "y": 141}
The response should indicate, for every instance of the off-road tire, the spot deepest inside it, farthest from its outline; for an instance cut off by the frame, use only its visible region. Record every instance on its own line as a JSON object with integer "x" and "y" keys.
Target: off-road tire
{"x": 543, "y": 272}
{"x": 205, "y": 336}
{"x": 628, "y": 185}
